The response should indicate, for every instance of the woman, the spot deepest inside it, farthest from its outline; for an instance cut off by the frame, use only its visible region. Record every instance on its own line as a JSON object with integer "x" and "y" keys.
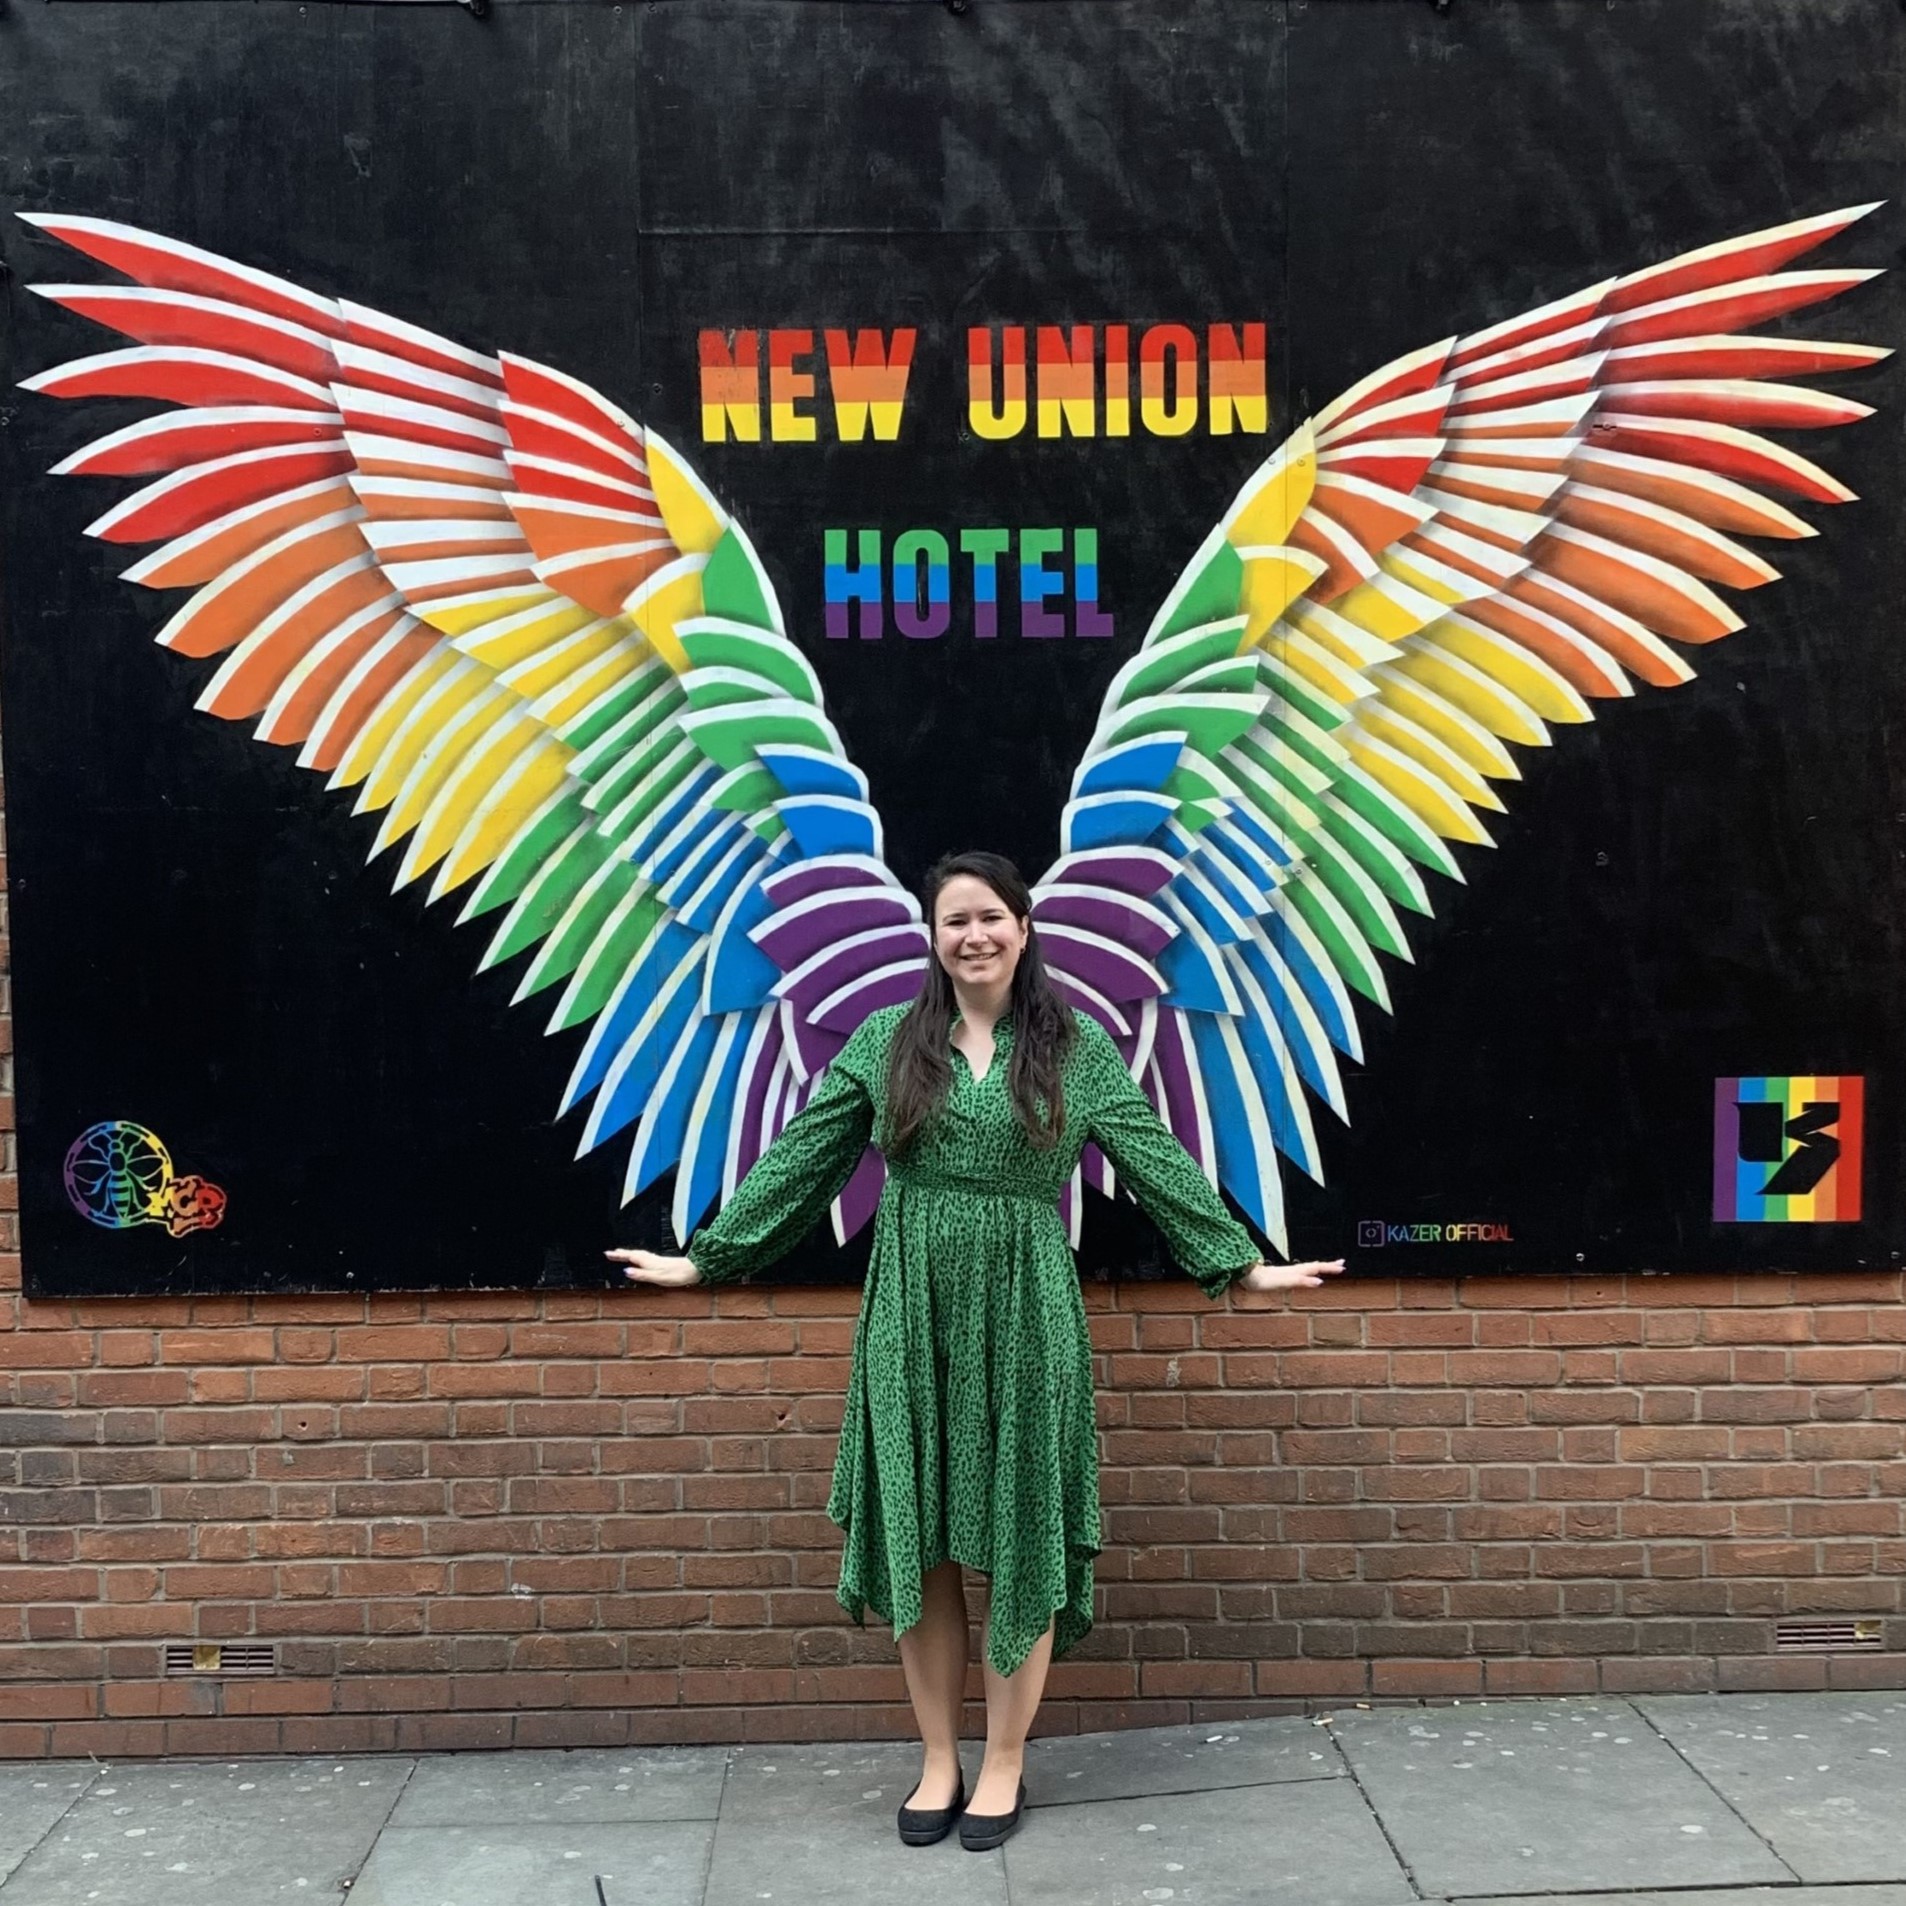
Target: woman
{"x": 969, "y": 1436}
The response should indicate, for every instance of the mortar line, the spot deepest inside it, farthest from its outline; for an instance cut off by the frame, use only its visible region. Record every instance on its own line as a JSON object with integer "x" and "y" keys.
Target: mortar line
{"x": 1773, "y": 1851}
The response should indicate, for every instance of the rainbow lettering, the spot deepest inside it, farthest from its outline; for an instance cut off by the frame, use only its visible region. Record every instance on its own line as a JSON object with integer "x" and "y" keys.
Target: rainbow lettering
{"x": 919, "y": 582}
{"x": 1077, "y": 381}
{"x": 867, "y": 376}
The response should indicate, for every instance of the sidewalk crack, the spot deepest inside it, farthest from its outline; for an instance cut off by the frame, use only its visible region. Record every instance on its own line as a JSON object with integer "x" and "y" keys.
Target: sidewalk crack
{"x": 1389, "y": 1839}
{"x": 1773, "y": 1852}
{"x": 99, "y": 1767}
{"x": 714, "y": 1829}
{"x": 349, "y": 1880}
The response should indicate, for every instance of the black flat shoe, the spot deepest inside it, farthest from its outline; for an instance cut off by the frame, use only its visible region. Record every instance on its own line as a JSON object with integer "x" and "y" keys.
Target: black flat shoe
{"x": 981, "y": 1832}
{"x": 923, "y": 1826}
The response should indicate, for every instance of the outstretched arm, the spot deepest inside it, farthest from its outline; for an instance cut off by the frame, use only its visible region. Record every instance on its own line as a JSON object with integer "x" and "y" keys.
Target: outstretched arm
{"x": 781, "y": 1199}
{"x": 1170, "y": 1189}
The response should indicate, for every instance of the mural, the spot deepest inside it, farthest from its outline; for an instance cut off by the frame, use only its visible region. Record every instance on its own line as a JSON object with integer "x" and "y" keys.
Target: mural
{"x": 523, "y": 636}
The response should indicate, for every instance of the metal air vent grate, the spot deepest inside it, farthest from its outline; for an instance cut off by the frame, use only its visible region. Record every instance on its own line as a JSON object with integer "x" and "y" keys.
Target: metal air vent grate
{"x": 225, "y": 1658}
{"x": 1831, "y": 1636}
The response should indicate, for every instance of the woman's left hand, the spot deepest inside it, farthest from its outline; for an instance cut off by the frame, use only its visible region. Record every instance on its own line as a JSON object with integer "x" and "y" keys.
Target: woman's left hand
{"x": 1288, "y": 1277}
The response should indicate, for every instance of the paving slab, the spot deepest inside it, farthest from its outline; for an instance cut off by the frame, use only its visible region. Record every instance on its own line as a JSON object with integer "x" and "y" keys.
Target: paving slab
{"x": 1821, "y": 1776}
{"x": 238, "y": 1833}
{"x": 552, "y": 1787}
{"x": 1309, "y": 1843}
{"x": 640, "y": 1863}
{"x": 1719, "y": 1896}
{"x": 1546, "y": 1797}
{"x": 805, "y": 1824}
{"x": 32, "y": 1799}
{"x": 1067, "y": 1768}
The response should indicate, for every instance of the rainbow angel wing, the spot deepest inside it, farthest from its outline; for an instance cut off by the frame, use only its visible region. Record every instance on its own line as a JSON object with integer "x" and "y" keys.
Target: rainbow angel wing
{"x": 1476, "y": 542}
{"x": 521, "y": 629}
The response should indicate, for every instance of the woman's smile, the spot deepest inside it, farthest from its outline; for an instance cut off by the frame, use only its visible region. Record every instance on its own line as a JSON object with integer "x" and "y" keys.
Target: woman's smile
{"x": 976, "y": 935}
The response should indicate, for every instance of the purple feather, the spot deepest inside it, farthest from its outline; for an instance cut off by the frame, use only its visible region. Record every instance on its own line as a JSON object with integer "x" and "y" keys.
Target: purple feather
{"x": 894, "y": 987}
{"x": 826, "y": 974}
{"x": 860, "y": 1195}
{"x": 753, "y": 1105}
{"x": 1108, "y": 914}
{"x": 1179, "y": 1110}
{"x": 791, "y": 937}
{"x": 1101, "y": 964}
{"x": 808, "y": 877}
{"x": 1102, "y": 1010}
{"x": 1142, "y": 871}
{"x": 811, "y": 1046}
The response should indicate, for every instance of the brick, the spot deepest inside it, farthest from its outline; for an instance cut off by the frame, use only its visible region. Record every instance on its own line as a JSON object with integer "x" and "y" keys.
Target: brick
{"x": 1432, "y": 1680}
{"x": 1848, "y": 1363}
{"x": 1417, "y": 1328}
{"x": 201, "y": 1347}
{"x": 1688, "y": 1367}
{"x": 1763, "y": 1558}
{"x": 1190, "y": 1678}
{"x": 46, "y": 1349}
{"x": 394, "y": 1343}
{"x": 1253, "y": 1330}
{"x": 1334, "y": 1369}
{"x": 39, "y": 1427}
{"x": 1518, "y": 1369}
{"x": 578, "y": 1338}
{"x": 1412, "y": 1407}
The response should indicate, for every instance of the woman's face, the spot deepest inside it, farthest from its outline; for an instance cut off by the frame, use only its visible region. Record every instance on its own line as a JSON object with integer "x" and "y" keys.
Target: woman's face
{"x": 975, "y": 935}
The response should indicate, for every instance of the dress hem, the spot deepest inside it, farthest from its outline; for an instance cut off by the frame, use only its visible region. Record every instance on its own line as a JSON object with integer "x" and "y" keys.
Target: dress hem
{"x": 856, "y": 1606}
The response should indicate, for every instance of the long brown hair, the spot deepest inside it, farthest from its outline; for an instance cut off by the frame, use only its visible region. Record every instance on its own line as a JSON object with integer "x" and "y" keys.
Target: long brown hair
{"x": 919, "y": 1072}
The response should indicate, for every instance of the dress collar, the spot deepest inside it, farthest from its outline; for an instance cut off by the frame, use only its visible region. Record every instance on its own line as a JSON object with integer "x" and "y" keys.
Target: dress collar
{"x": 1002, "y": 1028}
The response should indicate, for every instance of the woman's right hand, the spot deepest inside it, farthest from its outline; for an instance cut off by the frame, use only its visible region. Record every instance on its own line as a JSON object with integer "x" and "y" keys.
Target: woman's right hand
{"x": 650, "y": 1267}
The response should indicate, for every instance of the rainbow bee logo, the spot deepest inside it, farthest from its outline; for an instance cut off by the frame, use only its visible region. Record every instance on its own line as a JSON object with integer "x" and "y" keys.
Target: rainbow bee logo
{"x": 119, "y": 1175}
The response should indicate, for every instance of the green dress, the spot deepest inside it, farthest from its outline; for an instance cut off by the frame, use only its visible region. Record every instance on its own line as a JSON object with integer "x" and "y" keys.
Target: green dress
{"x": 969, "y": 1429}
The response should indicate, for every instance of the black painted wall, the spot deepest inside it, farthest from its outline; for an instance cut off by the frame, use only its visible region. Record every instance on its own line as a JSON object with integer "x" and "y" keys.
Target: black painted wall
{"x": 1706, "y": 881}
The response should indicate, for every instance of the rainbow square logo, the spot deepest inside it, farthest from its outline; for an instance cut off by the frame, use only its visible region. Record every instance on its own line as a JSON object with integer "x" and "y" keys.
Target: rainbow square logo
{"x": 1788, "y": 1151}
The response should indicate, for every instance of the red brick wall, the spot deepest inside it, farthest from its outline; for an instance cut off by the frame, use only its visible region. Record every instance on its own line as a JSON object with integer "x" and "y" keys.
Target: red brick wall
{"x": 535, "y": 1520}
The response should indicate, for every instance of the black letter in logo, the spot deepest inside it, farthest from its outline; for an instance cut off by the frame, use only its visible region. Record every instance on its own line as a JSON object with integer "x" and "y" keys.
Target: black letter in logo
{"x": 1764, "y": 1131}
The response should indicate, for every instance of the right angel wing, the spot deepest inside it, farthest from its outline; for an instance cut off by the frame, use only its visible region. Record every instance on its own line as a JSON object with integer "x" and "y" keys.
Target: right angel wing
{"x": 1475, "y": 542}
{"x": 523, "y": 630}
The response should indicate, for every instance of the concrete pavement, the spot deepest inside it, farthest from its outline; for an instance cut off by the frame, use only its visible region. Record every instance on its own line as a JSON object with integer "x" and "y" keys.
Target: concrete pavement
{"x": 1742, "y": 1800}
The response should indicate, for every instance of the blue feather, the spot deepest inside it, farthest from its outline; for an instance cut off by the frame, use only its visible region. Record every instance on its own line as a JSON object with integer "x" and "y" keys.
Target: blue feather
{"x": 1311, "y": 978}
{"x": 822, "y": 826}
{"x": 1230, "y": 1122}
{"x": 707, "y": 1150}
{"x": 668, "y": 1123}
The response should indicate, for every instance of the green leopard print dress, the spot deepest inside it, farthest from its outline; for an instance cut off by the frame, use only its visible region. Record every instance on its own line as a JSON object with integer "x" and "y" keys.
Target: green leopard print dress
{"x": 969, "y": 1430}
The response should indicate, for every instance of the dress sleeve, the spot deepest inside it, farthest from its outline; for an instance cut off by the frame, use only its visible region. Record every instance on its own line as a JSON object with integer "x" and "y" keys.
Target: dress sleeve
{"x": 794, "y": 1181}
{"x": 1163, "y": 1176}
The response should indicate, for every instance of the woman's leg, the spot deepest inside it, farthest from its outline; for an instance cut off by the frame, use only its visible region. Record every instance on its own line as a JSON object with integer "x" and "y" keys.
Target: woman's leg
{"x": 933, "y": 1653}
{"x": 1011, "y": 1702}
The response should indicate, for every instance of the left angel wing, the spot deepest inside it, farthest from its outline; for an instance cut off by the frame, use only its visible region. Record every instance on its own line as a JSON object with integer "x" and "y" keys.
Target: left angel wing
{"x": 1475, "y": 542}
{"x": 522, "y": 630}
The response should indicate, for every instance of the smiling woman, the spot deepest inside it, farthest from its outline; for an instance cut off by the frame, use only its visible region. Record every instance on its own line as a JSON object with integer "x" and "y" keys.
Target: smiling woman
{"x": 969, "y": 1437}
